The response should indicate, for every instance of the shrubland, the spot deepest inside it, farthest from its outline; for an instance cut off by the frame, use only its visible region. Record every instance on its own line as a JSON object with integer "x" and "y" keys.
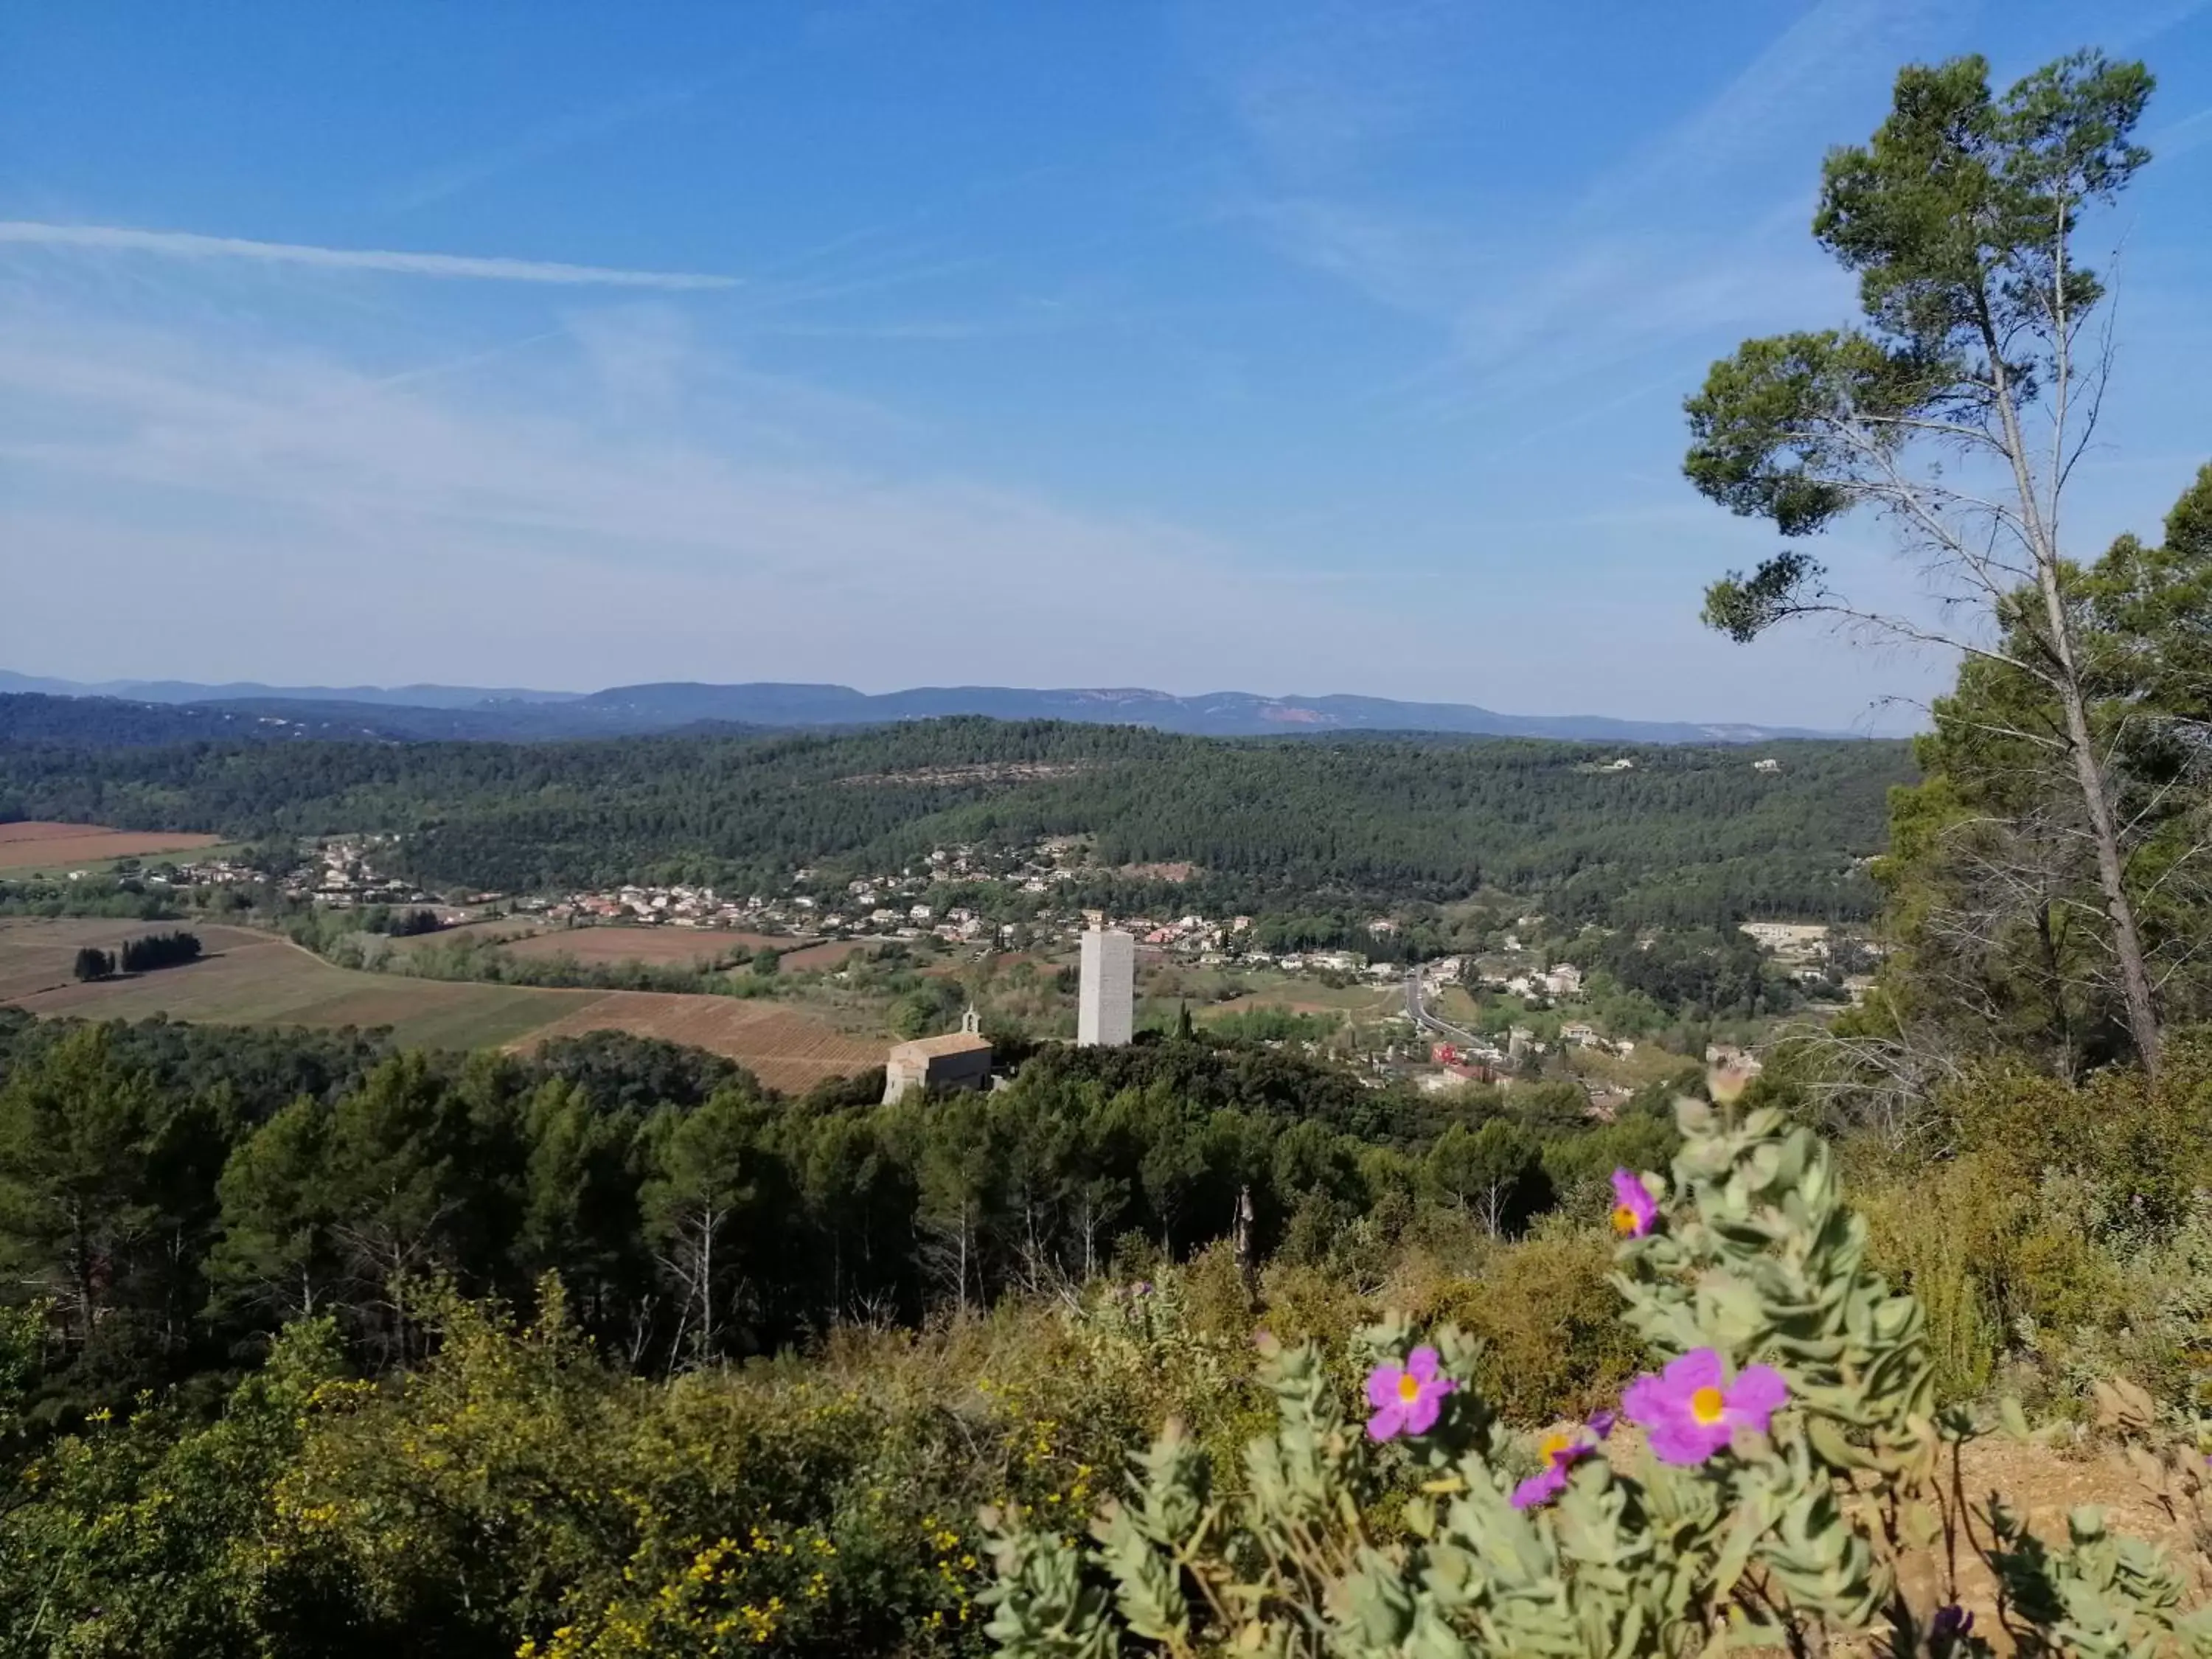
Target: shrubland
{"x": 458, "y": 1467}
{"x": 176, "y": 1193}
{"x": 1199, "y": 1347}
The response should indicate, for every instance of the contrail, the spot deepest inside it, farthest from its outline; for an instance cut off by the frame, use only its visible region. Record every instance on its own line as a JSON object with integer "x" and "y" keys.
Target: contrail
{"x": 186, "y": 245}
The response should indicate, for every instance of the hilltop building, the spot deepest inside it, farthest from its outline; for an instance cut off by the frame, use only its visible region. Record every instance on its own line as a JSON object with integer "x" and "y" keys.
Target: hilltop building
{"x": 1105, "y": 1013}
{"x": 958, "y": 1060}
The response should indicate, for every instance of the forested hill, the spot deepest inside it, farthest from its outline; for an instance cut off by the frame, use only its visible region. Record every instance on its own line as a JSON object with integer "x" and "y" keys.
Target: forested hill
{"x": 1686, "y": 835}
{"x": 114, "y": 723}
{"x": 124, "y": 723}
{"x": 508, "y": 716}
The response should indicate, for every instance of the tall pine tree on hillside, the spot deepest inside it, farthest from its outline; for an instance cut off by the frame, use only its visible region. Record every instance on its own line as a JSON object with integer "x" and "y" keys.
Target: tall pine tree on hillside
{"x": 1958, "y": 410}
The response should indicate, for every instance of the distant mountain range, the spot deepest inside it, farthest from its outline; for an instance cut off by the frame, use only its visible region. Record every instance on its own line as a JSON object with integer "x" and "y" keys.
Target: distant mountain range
{"x": 404, "y": 696}
{"x": 414, "y": 713}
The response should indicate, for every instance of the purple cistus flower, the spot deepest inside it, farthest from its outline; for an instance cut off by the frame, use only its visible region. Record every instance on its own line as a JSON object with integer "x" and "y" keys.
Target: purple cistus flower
{"x": 1560, "y": 1452}
{"x": 1951, "y": 1623}
{"x": 1601, "y": 1424}
{"x": 1406, "y": 1398}
{"x": 1692, "y": 1409}
{"x": 1635, "y": 1211}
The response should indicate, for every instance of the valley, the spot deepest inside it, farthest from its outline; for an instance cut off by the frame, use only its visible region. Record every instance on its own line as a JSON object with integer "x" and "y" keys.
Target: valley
{"x": 253, "y": 978}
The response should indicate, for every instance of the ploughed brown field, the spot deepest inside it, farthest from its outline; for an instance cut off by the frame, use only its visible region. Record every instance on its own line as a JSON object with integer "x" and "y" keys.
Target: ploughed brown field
{"x": 250, "y": 978}
{"x": 43, "y": 845}
{"x": 785, "y": 1050}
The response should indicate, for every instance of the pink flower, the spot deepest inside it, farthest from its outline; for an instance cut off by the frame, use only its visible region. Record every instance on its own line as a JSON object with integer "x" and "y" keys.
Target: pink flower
{"x": 1560, "y": 1452}
{"x": 1635, "y": 1211}
{"x": 1691, "y": 1410}
{"x": 1406, "y": 1398}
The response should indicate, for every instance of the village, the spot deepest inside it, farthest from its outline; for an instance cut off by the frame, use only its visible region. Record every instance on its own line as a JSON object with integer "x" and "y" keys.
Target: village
{"x": 1487, "y": 1015}
{"x": 340, "y": 872}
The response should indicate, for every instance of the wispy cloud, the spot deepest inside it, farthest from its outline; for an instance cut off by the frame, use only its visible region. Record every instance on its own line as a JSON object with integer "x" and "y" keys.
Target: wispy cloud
{"x": 187, "y": 245}
{"x": 1683, "y": 235}
{"x": 2179, "y": 137}
{"x": 2156, "y": 19}
{"x": 539, "y": 143}
{"x": 633, "y": 503}
{"x": 645, "y": 507}
{"x": 1796, "y": 73}
{"x": 1323, "y": 85}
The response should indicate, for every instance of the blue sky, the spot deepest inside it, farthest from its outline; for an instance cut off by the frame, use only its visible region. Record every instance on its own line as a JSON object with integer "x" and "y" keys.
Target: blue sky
{"x": 1283, "y": 346}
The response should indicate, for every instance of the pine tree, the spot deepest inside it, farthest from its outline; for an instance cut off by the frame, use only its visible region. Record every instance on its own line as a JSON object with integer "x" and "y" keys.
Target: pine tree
{"x": 76, "y": 1208}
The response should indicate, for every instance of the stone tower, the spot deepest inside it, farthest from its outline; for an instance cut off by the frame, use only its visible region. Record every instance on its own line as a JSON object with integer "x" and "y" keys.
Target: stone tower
{"x": 1105, "y": 1009}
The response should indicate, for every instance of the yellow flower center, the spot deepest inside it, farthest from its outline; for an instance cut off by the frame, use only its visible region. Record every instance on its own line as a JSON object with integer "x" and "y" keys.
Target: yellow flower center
{"x": 1553, "y": 1445}
{"x": 1707, "y": 1405}
{"x": 1409, "y": 1387}
{"x": 1624, "y": 1219}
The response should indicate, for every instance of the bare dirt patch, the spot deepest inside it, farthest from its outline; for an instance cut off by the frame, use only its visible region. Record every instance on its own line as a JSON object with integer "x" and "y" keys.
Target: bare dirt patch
{"x": 2042, "y": 1485}
{"x": 58, "y": 847}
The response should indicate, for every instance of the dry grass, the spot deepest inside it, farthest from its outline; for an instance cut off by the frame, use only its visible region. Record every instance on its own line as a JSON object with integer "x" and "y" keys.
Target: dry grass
{"x": 62, "y": 846}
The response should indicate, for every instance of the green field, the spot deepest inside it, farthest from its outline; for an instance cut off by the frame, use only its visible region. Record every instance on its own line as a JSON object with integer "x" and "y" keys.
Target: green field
{"x": 143, "y": 861}
{"x": 256, "y": 979}
{"x": 250, "y": 978}
{"x": 1296, "y": 993}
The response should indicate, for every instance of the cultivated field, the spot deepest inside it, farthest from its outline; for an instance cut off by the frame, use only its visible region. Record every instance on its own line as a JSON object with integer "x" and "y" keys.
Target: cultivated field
{"x": 784, "y": 1049}
{"x": 830, "y": 953}
{"x": 255, "y": 978}
{"x": 54, "y": 848}
{"x": 251, "y": 978}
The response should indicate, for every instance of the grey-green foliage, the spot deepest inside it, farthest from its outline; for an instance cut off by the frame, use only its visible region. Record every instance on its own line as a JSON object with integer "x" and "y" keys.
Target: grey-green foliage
{"x": 1329, "y": 1545}
{"x": 2100, "y": 1597}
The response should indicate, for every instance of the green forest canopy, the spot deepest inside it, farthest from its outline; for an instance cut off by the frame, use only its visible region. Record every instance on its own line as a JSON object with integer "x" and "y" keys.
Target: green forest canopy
{"x": 1688, "y": 835}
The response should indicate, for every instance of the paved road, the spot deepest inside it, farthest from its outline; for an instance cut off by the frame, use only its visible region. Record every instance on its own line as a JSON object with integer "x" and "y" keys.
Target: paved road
{"x": 1417, "y": 1012}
